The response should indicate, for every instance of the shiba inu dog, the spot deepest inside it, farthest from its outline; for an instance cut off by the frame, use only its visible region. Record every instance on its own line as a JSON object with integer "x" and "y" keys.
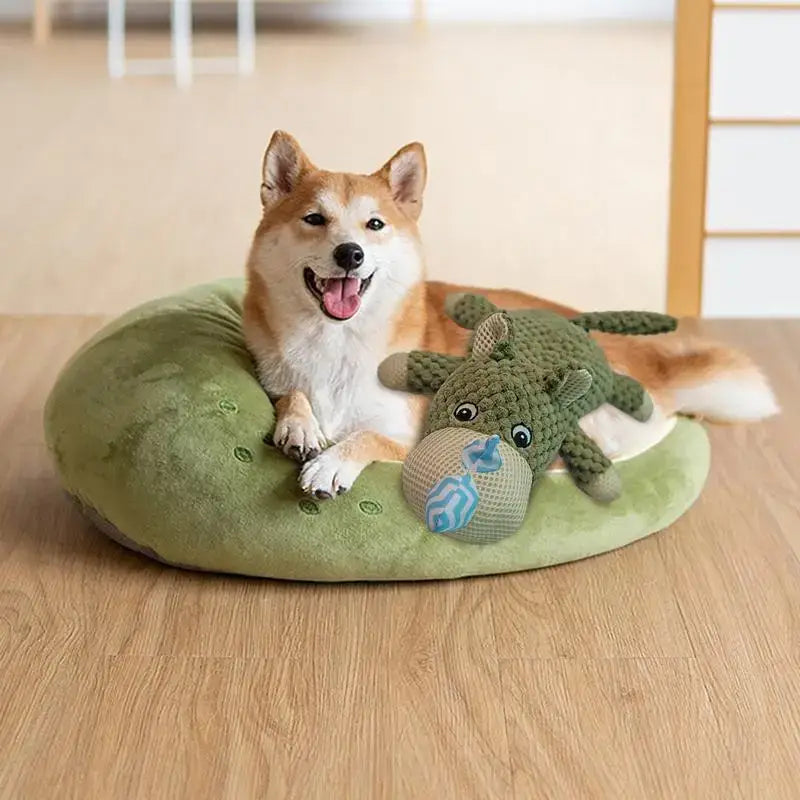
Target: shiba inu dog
{"x": 336, "y": 282}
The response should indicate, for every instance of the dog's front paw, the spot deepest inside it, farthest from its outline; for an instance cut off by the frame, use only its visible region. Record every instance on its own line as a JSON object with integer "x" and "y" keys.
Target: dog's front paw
{"x": 330, "y": 474}
{"x": 299, "y": 437}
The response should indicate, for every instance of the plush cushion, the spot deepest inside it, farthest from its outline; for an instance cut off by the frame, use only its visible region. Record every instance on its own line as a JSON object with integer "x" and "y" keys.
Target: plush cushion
{"x": 157, "y": 424}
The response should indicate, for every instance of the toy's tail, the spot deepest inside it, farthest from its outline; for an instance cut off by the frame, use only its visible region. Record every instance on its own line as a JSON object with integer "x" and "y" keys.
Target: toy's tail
{"x": 635, "y": 322}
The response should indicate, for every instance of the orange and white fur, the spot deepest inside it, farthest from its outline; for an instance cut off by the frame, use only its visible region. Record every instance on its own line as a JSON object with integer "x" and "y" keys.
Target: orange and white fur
{"x": 336, "y": 282}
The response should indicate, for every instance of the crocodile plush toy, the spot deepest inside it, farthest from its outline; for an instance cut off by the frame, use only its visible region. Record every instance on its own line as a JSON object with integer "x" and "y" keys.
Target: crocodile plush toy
{"x": 501, "y": 415}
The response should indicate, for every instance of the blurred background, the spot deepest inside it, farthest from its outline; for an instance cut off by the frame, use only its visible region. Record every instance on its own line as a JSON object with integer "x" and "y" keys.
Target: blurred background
{"x": 547, "y": 126}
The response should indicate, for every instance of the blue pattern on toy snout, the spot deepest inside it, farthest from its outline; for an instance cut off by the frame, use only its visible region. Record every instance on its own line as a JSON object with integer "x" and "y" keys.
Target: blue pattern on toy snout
{"x": 482, "y": 455}
{"x": 452, "y": 503}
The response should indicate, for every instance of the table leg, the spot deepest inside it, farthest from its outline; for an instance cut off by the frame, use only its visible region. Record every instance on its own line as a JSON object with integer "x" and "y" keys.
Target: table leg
{"x": 116, "y": 38}
{"x": 420, "y": 19}
{"x": 182, "y": 41}
{"x": 42, "y": 21}
{"x": 246, "y": 35}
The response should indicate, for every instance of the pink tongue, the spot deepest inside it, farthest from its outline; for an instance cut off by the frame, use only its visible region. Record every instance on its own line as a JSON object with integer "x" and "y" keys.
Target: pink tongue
{"x": 341, "y": 298}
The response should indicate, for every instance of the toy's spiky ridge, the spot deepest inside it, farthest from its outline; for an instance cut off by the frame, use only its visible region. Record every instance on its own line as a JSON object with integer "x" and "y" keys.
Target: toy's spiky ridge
{"x": 531, "y": 376}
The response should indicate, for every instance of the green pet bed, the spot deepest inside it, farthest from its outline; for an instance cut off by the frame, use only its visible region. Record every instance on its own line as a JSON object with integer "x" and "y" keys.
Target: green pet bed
{"x": 157, "y": 429}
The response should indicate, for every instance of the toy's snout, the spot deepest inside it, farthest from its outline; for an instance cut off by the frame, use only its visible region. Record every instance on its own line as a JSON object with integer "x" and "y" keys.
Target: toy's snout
{"x": 462, "y": 484}
{"x": 453, "y": 501}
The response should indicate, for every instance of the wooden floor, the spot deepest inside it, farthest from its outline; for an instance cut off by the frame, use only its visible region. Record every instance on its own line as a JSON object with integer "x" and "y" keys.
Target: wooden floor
{"x": 548, "y": 149}
{"x": 668, "y": 669}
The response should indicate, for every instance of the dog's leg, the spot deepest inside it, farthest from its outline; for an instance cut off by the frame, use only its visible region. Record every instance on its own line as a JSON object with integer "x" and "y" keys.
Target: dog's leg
{"x": 334, "y": 471}
{"x": 297, "y": 432}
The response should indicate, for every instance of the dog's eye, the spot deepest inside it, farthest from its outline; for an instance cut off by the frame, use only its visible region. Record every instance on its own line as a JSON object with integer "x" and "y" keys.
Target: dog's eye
{"x": 376, "y": 224}
{"x": 314, "y": 219}
{"x": 466, "y": 412}
{"x": 521, "y": 434}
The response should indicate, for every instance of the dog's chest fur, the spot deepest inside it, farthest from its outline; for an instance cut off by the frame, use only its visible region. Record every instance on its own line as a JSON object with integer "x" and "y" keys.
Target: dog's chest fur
{"x": 336, "y": 367}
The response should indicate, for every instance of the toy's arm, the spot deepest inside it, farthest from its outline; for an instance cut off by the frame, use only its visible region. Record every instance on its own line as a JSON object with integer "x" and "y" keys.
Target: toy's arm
{"x": 590, "y": 468}
{"x": 419, "y": 371}
{"x": 468, "y": 310}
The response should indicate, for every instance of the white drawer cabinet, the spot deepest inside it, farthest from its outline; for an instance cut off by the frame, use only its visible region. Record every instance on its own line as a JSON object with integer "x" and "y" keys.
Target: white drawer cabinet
{"x": 741, "y": 275}
{"x": 753, "y": 179}
{"x": 755, "y": 63}
{"x": 735, "y": 205}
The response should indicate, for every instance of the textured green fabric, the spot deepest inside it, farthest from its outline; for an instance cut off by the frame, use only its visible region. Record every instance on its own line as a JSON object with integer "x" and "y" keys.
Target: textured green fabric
{"x": 635, "y": 322}
{"x": 543, "y": 372}
{"x": 156, "y": 426}
{"x": 589, "y": 463}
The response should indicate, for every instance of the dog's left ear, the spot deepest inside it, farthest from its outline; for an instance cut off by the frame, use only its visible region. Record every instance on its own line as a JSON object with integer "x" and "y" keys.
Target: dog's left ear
{"x": 406, "y": 172}
{"x": 283, "y": 166}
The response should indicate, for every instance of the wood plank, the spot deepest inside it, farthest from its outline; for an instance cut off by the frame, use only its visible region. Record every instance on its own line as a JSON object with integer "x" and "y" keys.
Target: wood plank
{"x": 614, "y": 606}
{"x": 758, "y": 713}
{"x": 613, "y": 728}
{"x": 689, "y": 150}
{"x": 669, "y": 668}
{"x": 49, "y": 711}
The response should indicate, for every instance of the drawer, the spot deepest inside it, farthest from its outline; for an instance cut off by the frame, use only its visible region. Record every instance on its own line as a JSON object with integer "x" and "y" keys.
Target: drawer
{"x": 755, "y": 63}
{"x": 757, "y": 277}
{"x": 753, "y": 178}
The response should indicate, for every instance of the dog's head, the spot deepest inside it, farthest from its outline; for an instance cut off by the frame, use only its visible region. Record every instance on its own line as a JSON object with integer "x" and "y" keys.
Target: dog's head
{"x": 336, "y": 243}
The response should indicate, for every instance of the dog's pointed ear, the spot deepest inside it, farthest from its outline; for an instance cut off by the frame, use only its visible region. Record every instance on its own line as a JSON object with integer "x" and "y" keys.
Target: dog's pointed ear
{"x": 284, "y": 164}
{"x": 405, "y": 173}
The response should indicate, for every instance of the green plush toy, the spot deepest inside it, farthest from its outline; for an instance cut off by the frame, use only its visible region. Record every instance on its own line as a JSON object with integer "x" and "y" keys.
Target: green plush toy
{"x": 501, "y": 415}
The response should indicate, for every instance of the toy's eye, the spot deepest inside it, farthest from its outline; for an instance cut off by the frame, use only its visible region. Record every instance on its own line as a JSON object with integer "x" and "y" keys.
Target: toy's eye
{"x": 521, "y": 434}
{"x": 466, "y": 412}
{"x": 376, "y": 224}
{"x": 314, "y": 219}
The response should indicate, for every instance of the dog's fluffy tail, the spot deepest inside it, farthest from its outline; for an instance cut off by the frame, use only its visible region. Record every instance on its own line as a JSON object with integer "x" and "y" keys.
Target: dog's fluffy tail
{"x": 693, "y": 376}
{"x": 719, "y": 383}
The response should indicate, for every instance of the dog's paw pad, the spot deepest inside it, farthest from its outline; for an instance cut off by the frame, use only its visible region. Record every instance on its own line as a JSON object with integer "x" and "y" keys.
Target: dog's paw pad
{"x": 299, "y": 438}
{"x": 329, "y": 475}
{"x": 301, "y": 455}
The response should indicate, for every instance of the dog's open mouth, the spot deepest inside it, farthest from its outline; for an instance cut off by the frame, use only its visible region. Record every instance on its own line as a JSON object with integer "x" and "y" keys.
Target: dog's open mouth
{"x": 339, "y": 298}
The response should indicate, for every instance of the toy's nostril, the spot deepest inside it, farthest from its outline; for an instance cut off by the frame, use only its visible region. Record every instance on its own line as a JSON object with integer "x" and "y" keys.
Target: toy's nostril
{"x": 482, "y": 455}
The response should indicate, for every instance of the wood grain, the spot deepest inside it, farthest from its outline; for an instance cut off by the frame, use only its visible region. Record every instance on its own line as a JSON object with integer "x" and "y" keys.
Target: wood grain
{"x": 670, "y": 668}
{"x": 614, "y": 728}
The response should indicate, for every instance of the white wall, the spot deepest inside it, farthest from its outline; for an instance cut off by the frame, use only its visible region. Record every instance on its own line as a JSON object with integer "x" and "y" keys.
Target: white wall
{"x": 358, "y": 10}
{"x": 15, "y": 10}
{"x": 500, "y": 10}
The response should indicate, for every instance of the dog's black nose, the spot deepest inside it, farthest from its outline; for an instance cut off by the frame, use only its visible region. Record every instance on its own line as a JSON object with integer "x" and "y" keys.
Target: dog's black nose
{"x": 349, "y": 256}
